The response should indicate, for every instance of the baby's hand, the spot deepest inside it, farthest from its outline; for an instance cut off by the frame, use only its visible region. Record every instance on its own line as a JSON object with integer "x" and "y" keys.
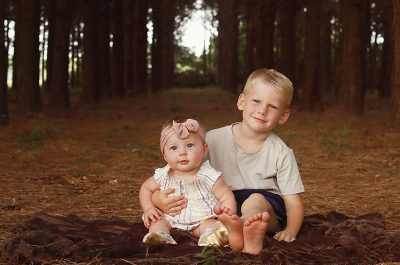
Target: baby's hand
{"x": 284, "y": 236}
{"x": 151, "y": 215}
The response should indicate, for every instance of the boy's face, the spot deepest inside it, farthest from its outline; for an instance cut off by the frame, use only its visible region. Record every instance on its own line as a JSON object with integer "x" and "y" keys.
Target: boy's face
{"x": 263, "y": 108}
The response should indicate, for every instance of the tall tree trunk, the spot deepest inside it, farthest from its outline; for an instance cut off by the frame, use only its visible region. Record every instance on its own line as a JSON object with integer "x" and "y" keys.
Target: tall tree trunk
{"x": 4, "y": 119}
{"x": 352, "y": 83}
{"x": 164, "y": 12}
{"x": 387, "y": 50}
{"x": 251, "y": 24}
{"x": 310, "y": 98}
{"x": 59, "y": 93}
{"x": 129, "y": 11}
{"x": 51, "y": 17}
{"x": 395, "y": 93}
{"x": 325, "y": 50}
{"x": 288, "y": 43}
{"x": 27, "y": 51}
{"x": 104, "y": 47}
{"x": 140, "y": 47}
{"x": 118, "y": 49}
{"x": 264, "y": 55}
{"x": 227, "y": 45}
{"x": 90, "y": 64}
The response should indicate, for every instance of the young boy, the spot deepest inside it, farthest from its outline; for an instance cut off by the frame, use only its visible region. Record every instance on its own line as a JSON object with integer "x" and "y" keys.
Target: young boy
{"x": 256, "y": 164}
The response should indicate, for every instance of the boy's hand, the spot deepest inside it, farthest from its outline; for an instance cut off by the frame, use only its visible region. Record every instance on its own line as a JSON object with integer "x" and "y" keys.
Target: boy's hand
{"x": 284, "y": 236}
{"x": 151, "y": 215}
{"x": 169, "y": 205}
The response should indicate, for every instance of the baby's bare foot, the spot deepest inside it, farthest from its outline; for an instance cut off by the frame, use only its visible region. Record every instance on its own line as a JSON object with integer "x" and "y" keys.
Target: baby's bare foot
{"x": 233, "y": 224}
{"x": 254, "y": 230}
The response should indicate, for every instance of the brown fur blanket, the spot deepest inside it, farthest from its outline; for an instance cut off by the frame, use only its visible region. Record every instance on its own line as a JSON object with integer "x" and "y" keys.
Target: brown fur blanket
{"x": 331, "y": 239}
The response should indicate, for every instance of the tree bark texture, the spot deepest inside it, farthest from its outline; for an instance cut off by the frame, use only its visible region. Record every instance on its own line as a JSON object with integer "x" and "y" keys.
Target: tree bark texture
{"x": 288, "y": 43}
{"x": 27, "y": 60}
{"x": 163, "y": 66}
{"x": 395, "y": 92}
{"x": 310, "y": 98}
{"x": 4, "y": 119}
{"x": 227, "y": 45}
{"x": 90, "y": 63}
{"x": 140, "y": 47}
{"x": 118, "y": 50}
{"x": 352, "y": 83}
{"x": 58, "y": 74}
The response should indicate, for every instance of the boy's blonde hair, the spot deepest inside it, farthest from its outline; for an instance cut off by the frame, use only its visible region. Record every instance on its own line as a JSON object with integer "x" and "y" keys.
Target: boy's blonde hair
{"x": 275, "y": 79}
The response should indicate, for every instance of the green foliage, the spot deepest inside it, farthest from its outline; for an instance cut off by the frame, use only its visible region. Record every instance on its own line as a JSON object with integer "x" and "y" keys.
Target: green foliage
{"x": 208, "y": 255}
{"x": 36, "y": 137}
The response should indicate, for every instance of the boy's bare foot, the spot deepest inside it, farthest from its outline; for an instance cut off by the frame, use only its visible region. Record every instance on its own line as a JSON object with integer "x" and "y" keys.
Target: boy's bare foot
{"x": 254, "y": 230}
{"x": 233, "y": 224}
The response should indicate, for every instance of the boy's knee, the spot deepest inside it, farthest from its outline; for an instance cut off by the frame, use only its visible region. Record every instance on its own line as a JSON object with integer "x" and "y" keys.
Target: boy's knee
{"x": 256, "y": 200}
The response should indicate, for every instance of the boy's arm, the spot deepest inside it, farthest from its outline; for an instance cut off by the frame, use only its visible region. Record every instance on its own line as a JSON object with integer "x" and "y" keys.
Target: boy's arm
{"x": 169, "y": 205}
{"x": 295, "y": 215}
{"x": 224, "y": 194}
{"x": 151, "y": 214}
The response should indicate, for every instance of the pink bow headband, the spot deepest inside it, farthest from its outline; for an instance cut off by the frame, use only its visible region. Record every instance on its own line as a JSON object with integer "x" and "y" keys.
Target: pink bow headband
{"x": 182, "y": 130}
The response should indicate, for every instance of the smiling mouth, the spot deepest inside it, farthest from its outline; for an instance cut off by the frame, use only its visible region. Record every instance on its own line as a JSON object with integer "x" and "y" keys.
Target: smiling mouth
{"x": 259, "y": 120}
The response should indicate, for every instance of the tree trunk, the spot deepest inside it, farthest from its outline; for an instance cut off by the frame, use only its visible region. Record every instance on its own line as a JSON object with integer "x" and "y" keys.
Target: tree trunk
{"x": 264, "y": 55}
{"x": 90, "y": 64}
{"x": 140, "y": 47}
{"x": 325, "y": 50}
{"x": 4, "y": 119}
{"x": 27, "y": 50}
{"x": 118, "y": 49}
{"x": 58, "y": 79}
{"x": 352, "y": 83}
{"x": 288, "y": 43}
{"x": 128, "y": 9}
{"x": 395, "y": 93}
{"x": 227, "y": 45}
{"x": 51, "y": 18}
{"x": 164, "y": 12}
{"x": 310, "y": 98}
{"x": 104, "y": 46}
{"x": 387, "y": 50}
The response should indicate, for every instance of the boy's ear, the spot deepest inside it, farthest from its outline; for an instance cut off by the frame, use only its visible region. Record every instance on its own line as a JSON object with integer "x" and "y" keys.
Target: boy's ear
{"x": 240, "y": 102}
{"x": 284, "y": 117}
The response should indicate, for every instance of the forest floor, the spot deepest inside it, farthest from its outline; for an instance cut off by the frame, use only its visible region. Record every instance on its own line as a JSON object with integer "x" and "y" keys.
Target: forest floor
{"x": 91, "y": 160}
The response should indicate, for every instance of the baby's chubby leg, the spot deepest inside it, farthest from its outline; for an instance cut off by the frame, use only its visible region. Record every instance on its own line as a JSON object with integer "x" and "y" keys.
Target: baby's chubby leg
{"x": 159, "y": 233}
{"x": 233, "y": 224}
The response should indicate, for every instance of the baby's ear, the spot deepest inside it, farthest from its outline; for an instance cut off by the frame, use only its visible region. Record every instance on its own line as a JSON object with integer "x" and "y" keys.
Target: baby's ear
{"x": 205, "y": 149}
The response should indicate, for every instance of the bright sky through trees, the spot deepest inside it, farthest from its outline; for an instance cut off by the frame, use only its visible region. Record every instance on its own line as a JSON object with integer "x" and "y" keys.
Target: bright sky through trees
{"x": 198, "y": 30}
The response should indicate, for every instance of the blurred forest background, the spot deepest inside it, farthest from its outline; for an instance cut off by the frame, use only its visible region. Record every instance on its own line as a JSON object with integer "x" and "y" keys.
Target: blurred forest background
{"x": 335, "y": 52}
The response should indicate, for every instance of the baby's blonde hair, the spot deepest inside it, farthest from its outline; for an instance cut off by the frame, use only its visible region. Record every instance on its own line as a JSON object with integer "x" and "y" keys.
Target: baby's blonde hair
{"x": 273, "y": 78}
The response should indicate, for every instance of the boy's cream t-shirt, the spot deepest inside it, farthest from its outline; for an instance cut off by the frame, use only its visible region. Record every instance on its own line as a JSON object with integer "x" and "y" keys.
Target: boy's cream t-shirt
{"x": 273, "y": 167}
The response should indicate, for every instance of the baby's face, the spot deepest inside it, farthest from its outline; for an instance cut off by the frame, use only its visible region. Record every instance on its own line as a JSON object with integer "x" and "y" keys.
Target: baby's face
{"x": 185, "y": 155}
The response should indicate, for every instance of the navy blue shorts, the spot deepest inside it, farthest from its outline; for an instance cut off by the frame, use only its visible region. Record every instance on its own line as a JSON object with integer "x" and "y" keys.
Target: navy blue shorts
{"x": 275, "y": 200}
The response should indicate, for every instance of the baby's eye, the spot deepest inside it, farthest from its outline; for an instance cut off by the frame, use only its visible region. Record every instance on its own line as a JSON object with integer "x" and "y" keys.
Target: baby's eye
{"x": 173, "y": 147}
{"x": 190, "y": 145}
{"x": 256, "y": 101}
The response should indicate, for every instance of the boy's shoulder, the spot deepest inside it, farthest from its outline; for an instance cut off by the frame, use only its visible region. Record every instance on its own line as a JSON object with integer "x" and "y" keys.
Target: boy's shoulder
{"x": 211, "y": 134}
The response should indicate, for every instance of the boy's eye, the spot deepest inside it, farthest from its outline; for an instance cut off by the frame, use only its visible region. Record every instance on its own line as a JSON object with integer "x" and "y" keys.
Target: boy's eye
{"x": 256, "y": 101}
{"x": 272, "y": 107}
{"x": 173, "y": 147}
{"x": 190, "y": 145}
